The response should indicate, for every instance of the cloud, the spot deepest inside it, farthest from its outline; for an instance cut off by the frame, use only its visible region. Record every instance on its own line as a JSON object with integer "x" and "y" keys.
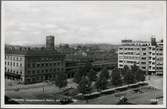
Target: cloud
{"x": 83, "y": 22}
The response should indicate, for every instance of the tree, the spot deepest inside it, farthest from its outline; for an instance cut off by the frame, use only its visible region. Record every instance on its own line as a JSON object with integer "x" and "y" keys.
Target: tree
{"x": 104, "y": 73}
{"x": 134, "y": 70}
{"x": 116, "y": 77}
{"x": 84, "y": 86}
{"x": 125, "y": 70}
{"x": 138, "y": 73}
{"x": 128, "y": 75}
{"x": 101, "y": 83}
{"x": 61, "y": 80}
{"x": 92, "y": 75}
{"x": 88, "y": 66}
{"x": 77, "y": 77}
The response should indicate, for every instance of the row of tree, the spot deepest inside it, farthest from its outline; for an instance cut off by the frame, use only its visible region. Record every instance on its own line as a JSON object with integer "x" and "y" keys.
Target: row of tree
{"x": 127, "y": 75}
{"x": 87, "y": 75}
{"x": 118, "y": 77}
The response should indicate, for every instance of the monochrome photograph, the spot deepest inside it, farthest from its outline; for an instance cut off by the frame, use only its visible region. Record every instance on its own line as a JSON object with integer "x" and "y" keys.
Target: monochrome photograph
{"x": 83, "y": 54}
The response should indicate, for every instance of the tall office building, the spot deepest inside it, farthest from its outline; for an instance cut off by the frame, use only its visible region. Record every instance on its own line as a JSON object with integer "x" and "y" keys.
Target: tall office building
{"x": 148, "y": 55}
{"x": 50, "y": 42}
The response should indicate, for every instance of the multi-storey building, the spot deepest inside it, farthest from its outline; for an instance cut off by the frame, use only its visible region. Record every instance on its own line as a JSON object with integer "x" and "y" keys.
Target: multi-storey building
{"x": 31, "y": 65}
{"x": 148, "y": 55}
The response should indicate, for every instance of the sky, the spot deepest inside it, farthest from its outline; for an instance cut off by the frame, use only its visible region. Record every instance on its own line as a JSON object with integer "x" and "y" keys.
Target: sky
{"x": 28, "y": 22}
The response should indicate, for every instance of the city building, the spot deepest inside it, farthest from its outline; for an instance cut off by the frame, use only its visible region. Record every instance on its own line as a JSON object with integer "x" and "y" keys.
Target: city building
{"x": 50, "y": 42}
{"x": 148, "y": 55}
{"x": 32, "y": 65}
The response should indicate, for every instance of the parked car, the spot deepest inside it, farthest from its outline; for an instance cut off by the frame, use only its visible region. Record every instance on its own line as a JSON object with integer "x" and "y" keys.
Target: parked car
{"x": 154, "y": 101}
{"x": 66, "y": 100}
{"x": 123, "y": 100}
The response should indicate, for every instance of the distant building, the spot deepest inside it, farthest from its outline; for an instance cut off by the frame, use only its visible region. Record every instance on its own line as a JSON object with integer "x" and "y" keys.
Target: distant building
{"x": 50, "y": 42}
{"x": 147, "y": 55}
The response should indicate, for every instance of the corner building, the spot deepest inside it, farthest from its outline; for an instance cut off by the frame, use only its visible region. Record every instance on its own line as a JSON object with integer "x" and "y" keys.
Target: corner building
{"x": 148, "y": 55}
{"x": 32, "y": 66}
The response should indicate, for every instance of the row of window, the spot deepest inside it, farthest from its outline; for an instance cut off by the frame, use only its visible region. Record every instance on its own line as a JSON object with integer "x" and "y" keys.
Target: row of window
{"x": 45, "y": 71}
{"x": 46, "y": 58}
{"x": 15, "y": 58}
{"x": 130, "y": 62}
{"x": 14, "y": 64}
{"x": 13, "y": 71}
{"x": 37, "y": 65}
{"x": 41, "y": 78}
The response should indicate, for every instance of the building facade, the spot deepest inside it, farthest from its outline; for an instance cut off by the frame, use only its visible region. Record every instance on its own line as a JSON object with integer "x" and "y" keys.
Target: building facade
{"x": 33, "y": 66}
{"x": 148, "y": 55}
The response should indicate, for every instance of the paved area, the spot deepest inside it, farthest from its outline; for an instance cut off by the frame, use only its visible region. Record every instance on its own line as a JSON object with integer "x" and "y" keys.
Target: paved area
{"x": 134, "y": 98}
{"x": 156, "y": 81}
{"x": 49, "y": 91}
{"x": 33, "y": 91}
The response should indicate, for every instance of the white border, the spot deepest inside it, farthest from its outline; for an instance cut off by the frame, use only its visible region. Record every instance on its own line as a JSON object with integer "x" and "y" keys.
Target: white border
{"x": 79, "y": 106}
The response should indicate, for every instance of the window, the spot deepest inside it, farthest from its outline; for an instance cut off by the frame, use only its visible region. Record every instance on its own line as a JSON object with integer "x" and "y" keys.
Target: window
{"x": 120, "y": 65}
{"x": 57, "y": 69}
{"x": 29, "y": 66}
{"x": 120, "y": 52}
{"x": 38, "y": 65}
{"x": 144, "y": 53}
{"x": 120, "y": 61}
{"x": 144, "y": 58}
{"x": 33, "y": 65}
{"x": 143, "y": 62}
{"x": 143, "y": 49}
{"x": 33, "y": 71}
